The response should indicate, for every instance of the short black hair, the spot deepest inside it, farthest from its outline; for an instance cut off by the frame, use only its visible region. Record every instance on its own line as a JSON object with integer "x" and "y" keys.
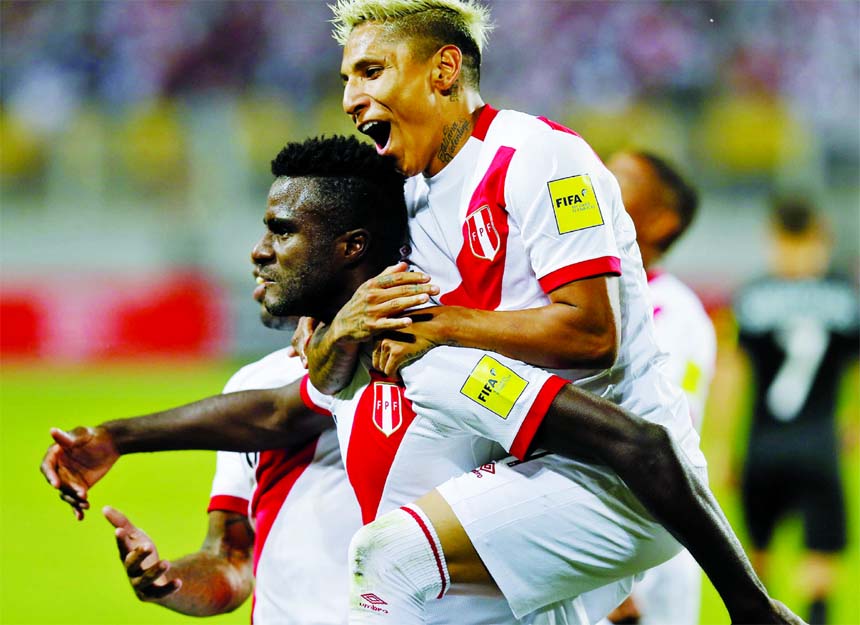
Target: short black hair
{"x": 793, "y": 214}
{"x": 356, "y": 188}
{"x": 686, "y": 197}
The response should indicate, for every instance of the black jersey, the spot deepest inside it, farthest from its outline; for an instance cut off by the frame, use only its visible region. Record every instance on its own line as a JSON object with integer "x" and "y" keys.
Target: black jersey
{"x": 799, "y": 335}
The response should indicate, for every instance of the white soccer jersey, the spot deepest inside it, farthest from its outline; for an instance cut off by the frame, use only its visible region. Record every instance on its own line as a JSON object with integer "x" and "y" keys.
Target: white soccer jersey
{"x": 393, "y": 457}
{"x": 526, "y": 206}
{"x": 303, "y": 511}
{"x": 686, "y": 334}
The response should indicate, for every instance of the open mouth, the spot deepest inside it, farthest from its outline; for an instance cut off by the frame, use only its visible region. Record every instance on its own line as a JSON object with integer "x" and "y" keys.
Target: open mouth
{"x": 378, "y": 131}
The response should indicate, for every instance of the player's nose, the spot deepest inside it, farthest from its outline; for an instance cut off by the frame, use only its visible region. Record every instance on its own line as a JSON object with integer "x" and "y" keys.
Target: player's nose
{"x": 354, "y": 99}
{"x": 262, "y": 251}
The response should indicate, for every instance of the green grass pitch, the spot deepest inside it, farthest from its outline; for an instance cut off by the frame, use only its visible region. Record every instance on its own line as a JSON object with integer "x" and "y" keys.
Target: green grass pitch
{"x": 56, "y": 570}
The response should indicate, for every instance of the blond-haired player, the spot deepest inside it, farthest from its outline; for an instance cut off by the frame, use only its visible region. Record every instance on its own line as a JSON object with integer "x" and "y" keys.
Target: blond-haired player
{"x": 523, "y": 230}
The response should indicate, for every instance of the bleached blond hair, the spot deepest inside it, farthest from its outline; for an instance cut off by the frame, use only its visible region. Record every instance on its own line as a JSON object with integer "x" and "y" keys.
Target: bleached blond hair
{"x": 465, "y": 23}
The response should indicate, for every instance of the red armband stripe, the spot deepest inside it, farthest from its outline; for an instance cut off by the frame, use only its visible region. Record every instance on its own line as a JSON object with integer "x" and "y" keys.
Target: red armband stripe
{"x": 228, "y": 503}
{"x": 578, "y": 271}
{"x": 535, "y": 415}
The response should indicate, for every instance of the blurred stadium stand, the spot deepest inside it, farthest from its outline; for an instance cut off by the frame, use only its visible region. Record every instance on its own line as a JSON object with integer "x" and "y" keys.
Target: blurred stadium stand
{"x": 135, "y": 139}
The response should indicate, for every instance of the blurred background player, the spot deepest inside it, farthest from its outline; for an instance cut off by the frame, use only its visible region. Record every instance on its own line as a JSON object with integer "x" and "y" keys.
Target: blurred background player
{"x": 799, "y": 329}
{"x": 662, "y": 205}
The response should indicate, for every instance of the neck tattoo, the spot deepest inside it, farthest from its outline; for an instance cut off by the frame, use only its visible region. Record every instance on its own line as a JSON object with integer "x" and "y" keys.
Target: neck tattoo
{"x": 452, "y": 135}
{"x": 454, "y": 92}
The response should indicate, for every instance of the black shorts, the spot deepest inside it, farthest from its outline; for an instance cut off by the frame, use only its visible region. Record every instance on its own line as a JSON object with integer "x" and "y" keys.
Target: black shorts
{"x": 776, "y": 483}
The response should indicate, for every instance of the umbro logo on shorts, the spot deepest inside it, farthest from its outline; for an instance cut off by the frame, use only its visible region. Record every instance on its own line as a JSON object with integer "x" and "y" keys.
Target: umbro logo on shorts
{"x": 489, "y": 468}
{"x": 373, "y": 602}
{"x": 374, "y": 599}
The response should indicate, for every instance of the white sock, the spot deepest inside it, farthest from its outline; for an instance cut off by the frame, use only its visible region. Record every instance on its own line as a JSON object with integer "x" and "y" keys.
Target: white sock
{"x": 396, "y": 565}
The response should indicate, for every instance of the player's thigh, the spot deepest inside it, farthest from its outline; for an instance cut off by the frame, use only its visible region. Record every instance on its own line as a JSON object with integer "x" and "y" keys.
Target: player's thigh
{"x": 463, "y": 562}
{"x": 551, "y": 528}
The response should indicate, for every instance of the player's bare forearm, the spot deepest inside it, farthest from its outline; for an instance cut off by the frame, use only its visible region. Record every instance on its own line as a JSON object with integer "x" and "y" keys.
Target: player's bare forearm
{"x": 331, "y": 362}
{"x": 244, "y": 421}
{"x": 557, "y": 336}
{"x": 210, "y": 585}
{"x": 584, "y": 426}
{"x": 215, "y": 579}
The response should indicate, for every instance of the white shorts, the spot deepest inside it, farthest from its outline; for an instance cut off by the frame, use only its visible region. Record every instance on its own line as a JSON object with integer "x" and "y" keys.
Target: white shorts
{"x": 670, "y": 594}
{"x": 550, "y": 529}
{"x": 499, "y": 398}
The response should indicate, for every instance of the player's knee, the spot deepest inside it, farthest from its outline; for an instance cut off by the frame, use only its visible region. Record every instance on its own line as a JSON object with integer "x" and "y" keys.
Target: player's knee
{"x": 395, "y": 553}
{"x": 363, "y": 551}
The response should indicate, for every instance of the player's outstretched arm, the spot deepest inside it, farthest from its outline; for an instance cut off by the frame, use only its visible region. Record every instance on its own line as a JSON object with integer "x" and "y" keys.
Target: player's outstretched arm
{"x": 584, "y": 426}
{"x": 376, "y": 306}
{"x": 244, "y": 421}
{"x": 214, "y": 580}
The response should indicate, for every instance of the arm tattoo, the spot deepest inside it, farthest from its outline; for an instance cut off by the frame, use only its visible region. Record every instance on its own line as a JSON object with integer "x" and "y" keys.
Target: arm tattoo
{"x": 452, "y": 134}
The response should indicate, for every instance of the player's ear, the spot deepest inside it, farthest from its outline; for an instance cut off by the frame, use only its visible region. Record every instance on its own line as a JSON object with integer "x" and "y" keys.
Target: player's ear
{"x": 353, "y": 245}
{"x": 448, "y": 62}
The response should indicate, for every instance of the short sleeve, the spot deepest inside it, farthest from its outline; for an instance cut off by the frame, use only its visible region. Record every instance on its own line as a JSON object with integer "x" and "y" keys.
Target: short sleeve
{"x": 233, "y": 484}
{"x": 314, "y": 399}
{"x": 564, "y": 200}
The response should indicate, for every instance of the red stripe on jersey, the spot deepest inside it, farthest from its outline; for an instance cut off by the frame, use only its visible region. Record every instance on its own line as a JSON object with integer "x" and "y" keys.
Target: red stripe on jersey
{"x": 277, "y": 473}
{"x": 485, "y": 118}
{"x": 481, "y": 260}
{"x": 306, "y": 398}
{"x": 535, "y": 416}
{"x": 560, "y": 128}
{"x": 382, "y": 416}
{"x": 228, "y": 503}
{"x": 557, "y": 126}
{"x": 586, "y": 269}
{"x": 433, "y": 546}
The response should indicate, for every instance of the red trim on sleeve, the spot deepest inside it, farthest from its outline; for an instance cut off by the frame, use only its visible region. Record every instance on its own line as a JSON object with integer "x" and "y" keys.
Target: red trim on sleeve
{"x": 306, "y": 398}
{"x": 485, "y": 118}
{"x": 228, "y": 503}
{"x": 433, "y": 546}
{"x": 534, "y": 418}
{"x": 585, "y": 269}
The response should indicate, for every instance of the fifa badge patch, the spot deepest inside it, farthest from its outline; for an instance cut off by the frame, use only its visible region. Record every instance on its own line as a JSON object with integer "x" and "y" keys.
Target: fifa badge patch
{"x": 484, "y": 239}
{"x": 494, "y": 386}
{"x": 574, "y": 203}
{"x": 387, "y": 407}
